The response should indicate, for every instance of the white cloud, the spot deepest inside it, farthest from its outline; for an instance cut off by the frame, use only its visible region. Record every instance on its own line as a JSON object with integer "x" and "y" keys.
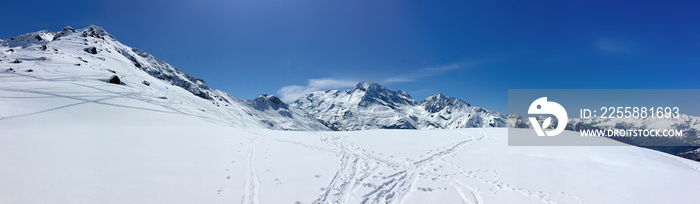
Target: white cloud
{"x": 293, "y": 92}
{"x": 331, "y": 83}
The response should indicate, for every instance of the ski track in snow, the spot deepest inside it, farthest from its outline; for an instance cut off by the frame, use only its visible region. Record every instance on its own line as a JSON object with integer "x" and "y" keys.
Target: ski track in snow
{"x": 78, "y": 96}
{"x": 251, "y": 191}
{"x": 101, "y": 95}
{"x": 358, "y": 166}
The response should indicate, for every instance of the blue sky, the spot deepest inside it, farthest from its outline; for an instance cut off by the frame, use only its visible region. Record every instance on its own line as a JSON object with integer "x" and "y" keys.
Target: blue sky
{"x": 473, "y": 50}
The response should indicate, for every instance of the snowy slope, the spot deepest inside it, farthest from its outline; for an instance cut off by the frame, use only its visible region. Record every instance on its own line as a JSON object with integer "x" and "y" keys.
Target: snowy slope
{"x": 372, "y": 106}
{"x": 88, "y": 57}
{"x": 123, "y": 150}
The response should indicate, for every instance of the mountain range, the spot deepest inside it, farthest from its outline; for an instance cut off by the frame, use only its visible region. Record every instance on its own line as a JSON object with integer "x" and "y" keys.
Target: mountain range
{"x": 372, "y": 106}
{"x": 366, "y": 106}
{"x": 86, "y": 119}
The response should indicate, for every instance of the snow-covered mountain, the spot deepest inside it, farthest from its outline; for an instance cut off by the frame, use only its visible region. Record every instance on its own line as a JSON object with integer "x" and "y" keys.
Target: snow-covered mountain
{"x": 450, "y": 113}
{"x": 372, "y": 106}
{"x": 69, "y": 136}
{"x": 93, "y": 54}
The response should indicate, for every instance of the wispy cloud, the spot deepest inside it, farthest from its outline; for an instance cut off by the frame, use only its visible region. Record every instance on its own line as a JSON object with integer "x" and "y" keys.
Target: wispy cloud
{"x": 421, "y": 73}
{"x": 608, "y": 46}
{"x": 293, "y": 92}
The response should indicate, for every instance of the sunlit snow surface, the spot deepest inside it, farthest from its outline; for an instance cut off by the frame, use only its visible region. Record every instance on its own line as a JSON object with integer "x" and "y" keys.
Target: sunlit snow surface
{"x": 72, "y": 138}
{"x": 67, "y": 136}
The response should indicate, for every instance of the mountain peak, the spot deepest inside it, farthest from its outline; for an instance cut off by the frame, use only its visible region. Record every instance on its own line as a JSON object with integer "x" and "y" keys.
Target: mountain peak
{"x": 96, "y": 28}
{"x": 97, "y": 32}
{"x": 68, "y": 29}
{"x": 374, "y": 88}
{"x": 39, "y": 37}
{"x": 368, "y": 86}
{"x": 438, "y": 96}
{"x": 265, "y": 101}
{"x": 438, "y": 102}
{"x": 270, "y": 97}
{"x": 45, "y": 36}
{"x": 373, "y": 93}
